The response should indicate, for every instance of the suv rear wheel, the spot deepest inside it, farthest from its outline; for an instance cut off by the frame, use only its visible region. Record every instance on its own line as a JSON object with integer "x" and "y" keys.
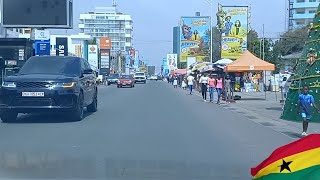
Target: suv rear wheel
{"x": 77, "y": 114}
{"x": 93, "y": 107}
{"x": 9, "y": 116}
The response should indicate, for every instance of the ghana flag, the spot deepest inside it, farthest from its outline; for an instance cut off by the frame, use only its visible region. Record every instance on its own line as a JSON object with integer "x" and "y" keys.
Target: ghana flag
{"x": 299, "y": 160}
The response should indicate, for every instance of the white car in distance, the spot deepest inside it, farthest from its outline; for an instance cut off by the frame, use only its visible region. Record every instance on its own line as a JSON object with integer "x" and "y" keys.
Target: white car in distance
{"x": 140, "y": 77}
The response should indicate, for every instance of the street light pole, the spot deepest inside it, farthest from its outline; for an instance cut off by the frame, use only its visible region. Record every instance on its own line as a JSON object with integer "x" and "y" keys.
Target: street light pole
{"x": 211, "y": 35}
{"x": 211, "y": 29}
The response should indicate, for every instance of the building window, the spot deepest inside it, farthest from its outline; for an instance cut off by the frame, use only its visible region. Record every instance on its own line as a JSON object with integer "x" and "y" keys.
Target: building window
{"x": 300, "y": 1}
{"x": 300, "y": 11}
{"x": 100, "y": 17}
{"x": 312, "y": 11}
{"x": 312, "y": 0}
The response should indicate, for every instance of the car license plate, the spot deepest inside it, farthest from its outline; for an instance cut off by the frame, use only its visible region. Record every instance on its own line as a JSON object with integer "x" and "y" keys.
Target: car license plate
{"x": 33, "y": 94}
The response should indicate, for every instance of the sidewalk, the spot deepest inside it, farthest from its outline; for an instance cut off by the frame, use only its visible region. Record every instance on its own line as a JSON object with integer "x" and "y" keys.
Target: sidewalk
{"x": 267, "y": 112}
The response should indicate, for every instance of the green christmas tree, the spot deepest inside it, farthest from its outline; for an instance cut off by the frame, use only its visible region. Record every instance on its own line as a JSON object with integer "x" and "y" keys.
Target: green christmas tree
{"x": 307, "y": 72}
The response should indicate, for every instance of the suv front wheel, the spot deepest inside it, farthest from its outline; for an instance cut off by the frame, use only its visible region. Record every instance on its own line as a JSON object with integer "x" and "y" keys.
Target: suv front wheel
{"x": 77, "y": 114}
{"x": 9, "y": 116}
{"x": 93, "y": 107}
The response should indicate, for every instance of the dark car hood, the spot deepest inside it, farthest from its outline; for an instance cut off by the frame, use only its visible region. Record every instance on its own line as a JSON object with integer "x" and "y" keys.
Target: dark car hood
{"x": 40, "y": 77}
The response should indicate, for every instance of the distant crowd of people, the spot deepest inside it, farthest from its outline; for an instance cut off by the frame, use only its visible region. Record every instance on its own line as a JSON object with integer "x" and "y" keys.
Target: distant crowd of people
{"x": 205, "y": 83}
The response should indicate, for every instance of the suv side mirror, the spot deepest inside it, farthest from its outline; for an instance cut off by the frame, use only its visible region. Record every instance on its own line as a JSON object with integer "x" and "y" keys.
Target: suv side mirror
{"x": 88, "y": 71}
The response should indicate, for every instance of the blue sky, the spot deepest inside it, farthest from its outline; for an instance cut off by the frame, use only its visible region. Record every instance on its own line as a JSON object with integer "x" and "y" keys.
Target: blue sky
{"x": 154, "y": 19}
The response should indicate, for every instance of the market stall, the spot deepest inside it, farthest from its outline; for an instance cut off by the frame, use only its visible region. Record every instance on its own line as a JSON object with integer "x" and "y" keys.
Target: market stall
{"x": 248, "y": 70}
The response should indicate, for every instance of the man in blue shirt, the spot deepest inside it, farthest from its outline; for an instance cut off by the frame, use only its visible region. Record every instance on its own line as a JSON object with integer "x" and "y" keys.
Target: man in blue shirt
{"x": 305, "y": 104}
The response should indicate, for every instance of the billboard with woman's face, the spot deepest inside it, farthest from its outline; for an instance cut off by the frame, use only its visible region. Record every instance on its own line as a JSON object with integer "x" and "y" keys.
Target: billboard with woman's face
{"x": 234, "y": 31}
{"x": 195, "y": 38}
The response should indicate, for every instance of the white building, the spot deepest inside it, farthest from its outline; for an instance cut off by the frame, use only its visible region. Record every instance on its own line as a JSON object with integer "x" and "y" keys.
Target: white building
{"x": 301, "y": 12}
{"x": 108, "y": 22}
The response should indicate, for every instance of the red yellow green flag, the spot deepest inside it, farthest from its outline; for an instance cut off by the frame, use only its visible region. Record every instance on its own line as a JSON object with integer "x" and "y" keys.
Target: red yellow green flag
{"x": 299, "y": 160}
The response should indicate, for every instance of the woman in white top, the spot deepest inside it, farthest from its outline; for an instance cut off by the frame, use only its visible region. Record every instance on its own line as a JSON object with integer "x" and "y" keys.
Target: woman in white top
{"x": 204, "y": 84}
{"x": 190, "y": 80}
{"x": 175, "y": 82}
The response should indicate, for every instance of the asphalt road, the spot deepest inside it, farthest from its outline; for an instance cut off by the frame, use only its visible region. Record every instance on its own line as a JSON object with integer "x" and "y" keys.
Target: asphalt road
{"x": 152, "y": 131}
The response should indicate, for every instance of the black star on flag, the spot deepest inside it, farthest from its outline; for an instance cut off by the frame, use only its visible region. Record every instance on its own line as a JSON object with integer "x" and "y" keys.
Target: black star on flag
{"x": 285, "y": 165}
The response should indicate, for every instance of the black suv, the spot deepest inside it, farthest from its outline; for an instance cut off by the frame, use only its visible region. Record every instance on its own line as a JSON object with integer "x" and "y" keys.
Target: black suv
{"x": 49, "y": 84}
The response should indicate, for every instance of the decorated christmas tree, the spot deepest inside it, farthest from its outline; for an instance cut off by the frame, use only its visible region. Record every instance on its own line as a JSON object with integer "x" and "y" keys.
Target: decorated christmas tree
{"x": 307, "y": 72}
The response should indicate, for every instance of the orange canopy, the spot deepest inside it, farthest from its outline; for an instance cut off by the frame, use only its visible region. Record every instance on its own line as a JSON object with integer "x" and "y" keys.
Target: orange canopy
{"x": 248, "y": 62}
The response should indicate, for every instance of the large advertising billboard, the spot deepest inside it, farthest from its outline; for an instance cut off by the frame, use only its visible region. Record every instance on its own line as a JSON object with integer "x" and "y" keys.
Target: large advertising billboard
{"x": 172, "y": 61}
{"x": 234, "y": 31}
{"x": 37, "y": 13}
{"x": 195, "y": 38}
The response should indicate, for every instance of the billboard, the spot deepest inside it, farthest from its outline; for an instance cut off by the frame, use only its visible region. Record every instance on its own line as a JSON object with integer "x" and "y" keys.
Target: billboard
{"x": 165, "y": 66}
{"x": 37, "y": 13}
{"x": 234, "y": 31}
{"x": 105, "y": 43}
{"x": 172, "y": 61}
{"x": 105, "y": 59}
{"x": 195, "y": 38}
{"x": 61, "y": 46}
{"x": 42, "y": 42}
{"x": 93, "y": 57}
{"x": 136, "y": 59}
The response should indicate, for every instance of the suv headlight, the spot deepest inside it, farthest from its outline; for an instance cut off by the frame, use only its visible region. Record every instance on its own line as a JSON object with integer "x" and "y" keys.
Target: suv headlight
{"x": 66, "y": 85}
{"x": 9, "y": 84}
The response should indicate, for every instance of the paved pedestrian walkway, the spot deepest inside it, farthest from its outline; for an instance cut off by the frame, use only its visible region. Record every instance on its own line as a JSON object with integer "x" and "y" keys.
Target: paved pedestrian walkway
{"x": 266, "y": 109}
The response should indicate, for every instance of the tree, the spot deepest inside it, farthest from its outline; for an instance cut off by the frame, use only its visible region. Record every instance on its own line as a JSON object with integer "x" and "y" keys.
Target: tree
{"x": 264, "y": 49}
{"x": 307, "y": 71}
{"x": 93, "y": 41}
{"x": 292, "y": 41}
{"x": 253, "y": 42}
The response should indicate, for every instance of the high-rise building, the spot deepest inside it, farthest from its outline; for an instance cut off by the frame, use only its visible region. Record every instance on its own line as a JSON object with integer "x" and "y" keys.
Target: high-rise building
{"x": 108, "y": 22}
{"x": 176, "y": 42}
{"x": 301, "y": 12}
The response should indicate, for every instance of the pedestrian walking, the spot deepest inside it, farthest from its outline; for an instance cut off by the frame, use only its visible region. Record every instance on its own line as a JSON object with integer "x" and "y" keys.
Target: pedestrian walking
{"x": 305, "y": 102}
{"x": 175, "y": 82}
{"x": 184, "y": 84}
{"x": 171, "y": 79}
{"x": 212, "y": 83}
{"x": 204, "y": 85}
{"x": 227, "y": 88}
{"x": 219, "y": 88}
{"x": 190, "y": 80}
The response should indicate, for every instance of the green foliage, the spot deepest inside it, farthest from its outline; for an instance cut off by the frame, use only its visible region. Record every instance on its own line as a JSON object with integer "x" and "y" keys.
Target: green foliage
{"x": 293, "y": 41}
{"x": 93, "y": 41}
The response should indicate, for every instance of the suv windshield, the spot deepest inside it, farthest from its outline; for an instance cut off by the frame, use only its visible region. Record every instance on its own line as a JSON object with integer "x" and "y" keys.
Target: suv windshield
{"x": 139, "y": 74}
{"x": 51, "y": 65}
{"x": 113, "y": 76}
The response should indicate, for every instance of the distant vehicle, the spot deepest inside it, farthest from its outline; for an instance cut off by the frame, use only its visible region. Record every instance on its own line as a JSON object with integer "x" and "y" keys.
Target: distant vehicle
{"x": 160, "y": 77}
{"x": 112, "y": 79}
{"x": 50, "y": 84}
{"x": 154, "y": 78}
{"x": 125, "y": 80}
{"x": 140, "y": 77}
